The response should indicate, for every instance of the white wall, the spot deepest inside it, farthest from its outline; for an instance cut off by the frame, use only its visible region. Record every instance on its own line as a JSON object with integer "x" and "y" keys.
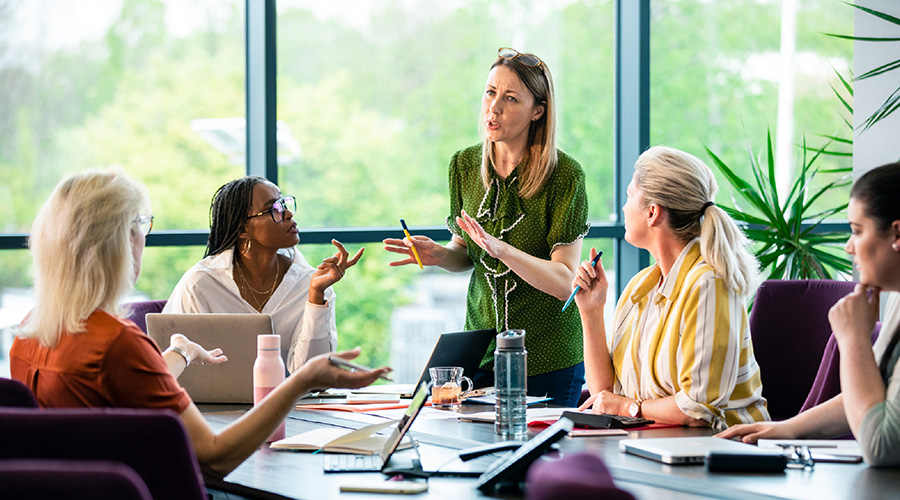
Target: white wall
{"x": 881, "y": 143}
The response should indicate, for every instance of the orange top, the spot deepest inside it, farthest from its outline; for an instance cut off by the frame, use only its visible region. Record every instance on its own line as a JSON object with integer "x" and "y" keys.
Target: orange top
{"x": 111, "y": 364}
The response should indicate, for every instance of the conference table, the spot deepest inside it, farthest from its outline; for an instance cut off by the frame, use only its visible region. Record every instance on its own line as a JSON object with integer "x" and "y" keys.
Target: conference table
{"x": 300, "y": 474}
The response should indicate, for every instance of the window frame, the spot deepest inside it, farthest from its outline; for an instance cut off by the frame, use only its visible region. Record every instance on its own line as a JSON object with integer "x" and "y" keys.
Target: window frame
{"x": 631, "y": 136}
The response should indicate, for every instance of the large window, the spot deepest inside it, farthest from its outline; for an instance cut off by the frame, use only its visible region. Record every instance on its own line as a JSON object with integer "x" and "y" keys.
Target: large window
{"x": 373, "y": 98}
{"x": 138, "y": 83}
{"x": 725, "y": 73}
{"x": 379, "y": 94}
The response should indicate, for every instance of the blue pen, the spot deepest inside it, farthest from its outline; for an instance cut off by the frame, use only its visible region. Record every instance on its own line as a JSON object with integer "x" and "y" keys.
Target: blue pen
{"x": 572, "y": 297}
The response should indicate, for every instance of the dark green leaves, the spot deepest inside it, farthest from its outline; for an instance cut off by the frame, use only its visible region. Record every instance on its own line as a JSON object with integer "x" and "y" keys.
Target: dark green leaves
{"x": 788, "y": 243}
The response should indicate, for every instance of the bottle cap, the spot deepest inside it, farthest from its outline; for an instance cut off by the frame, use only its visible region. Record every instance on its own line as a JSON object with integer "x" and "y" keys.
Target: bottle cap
{"x": 268, "y": 342}
{"x": 511, "y": 339}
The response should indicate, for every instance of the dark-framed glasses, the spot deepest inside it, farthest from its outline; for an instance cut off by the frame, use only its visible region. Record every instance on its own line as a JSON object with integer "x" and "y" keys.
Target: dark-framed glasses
{"x": 278, "y": 208}
{"x": 145, "y": 222}
{"x": 530, "y": 60}
{"x": 799, "y": 456}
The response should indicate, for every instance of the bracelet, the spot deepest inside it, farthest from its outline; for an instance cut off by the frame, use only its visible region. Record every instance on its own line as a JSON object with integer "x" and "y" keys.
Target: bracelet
{"x": 183, "y": 353}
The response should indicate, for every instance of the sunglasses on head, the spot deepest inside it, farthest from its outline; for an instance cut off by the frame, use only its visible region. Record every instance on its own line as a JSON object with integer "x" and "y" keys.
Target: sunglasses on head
{"x": 529, "y": 60}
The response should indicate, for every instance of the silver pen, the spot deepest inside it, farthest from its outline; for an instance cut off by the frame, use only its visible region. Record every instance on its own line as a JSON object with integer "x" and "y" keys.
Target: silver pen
{"x": 353, "y": 366}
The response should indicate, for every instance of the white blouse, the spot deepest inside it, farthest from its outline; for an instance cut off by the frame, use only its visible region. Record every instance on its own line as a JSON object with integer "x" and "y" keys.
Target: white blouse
{"x": 306, "y": 329}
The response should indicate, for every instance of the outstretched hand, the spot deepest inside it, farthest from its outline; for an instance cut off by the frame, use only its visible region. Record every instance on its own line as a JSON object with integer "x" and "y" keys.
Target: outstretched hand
{"x": 322, "y": 374}
{"x": 493, "y": 246}
{"x": 199, "y": 355}
{"x": 330, "y": 271}
{"x": 430, "y": 252}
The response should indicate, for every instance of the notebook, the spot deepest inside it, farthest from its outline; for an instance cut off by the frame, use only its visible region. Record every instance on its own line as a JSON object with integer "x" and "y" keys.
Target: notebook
{"x": 465, "y": 349}
{"x": 235, "y": 334}
{"x": 375, "y": 463}
{"x": 684, "y": 450}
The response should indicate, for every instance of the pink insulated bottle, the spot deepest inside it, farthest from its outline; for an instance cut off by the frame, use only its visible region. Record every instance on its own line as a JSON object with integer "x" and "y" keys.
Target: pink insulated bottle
{"x": 268, "y": 372}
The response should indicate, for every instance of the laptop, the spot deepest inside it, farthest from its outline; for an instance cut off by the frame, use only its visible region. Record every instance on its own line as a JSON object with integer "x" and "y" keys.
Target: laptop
{"x": 685, "y": 450}
{"x": 235, "y": 334}
{"x": 376, "y": 463}
{"x": 465, "y": 349}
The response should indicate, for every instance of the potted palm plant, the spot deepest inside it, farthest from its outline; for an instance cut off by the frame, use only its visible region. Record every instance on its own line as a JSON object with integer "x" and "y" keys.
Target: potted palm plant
{"x": 789, "y": 243}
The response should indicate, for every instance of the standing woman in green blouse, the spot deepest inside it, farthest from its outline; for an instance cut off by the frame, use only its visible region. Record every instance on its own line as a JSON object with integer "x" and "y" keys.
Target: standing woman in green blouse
{"x": 518, "y": 214}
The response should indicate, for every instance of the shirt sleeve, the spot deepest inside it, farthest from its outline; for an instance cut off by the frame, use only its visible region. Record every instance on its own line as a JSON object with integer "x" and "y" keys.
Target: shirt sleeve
{"x": 712, "y": 328}
{"x": 568, "y": 208}
{"x": 317, "y": 333}
{"x": 456, "y": 200}
{"x": 134, "y": 375}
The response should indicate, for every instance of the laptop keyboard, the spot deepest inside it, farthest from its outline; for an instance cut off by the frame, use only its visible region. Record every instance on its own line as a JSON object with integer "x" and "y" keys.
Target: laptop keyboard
{"x": 352, "y": 463}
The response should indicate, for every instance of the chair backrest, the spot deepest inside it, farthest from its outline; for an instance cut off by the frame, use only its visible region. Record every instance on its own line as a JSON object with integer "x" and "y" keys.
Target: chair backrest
{"x": 15, "y": 393}
{"x": 152, "y": 442}
{"x": 828, "y": 379}
{"x": 580, "y": 475}
{"x": 789, "y": 327}
{"x": 71, "y": 479}
{"x": 138, "y": 311}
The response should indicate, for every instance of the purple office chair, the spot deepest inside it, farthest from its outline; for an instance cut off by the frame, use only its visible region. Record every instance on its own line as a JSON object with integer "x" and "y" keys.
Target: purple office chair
{"x": 15, "y": 393}
{"x": 789, "y": 327}
{"x": 71, "y": 479}
{"x": 582, "y": 475}
{"x": 152, "y": 442}
{"x": 138, "y": 311}
{"x": 828, "y": 379}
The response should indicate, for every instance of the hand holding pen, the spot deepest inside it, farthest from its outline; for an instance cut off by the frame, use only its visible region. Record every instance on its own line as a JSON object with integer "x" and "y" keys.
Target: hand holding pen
{"x": 420, "y": 250}
{"x": 591, "y": 278}
{"x": 411, "y": 244}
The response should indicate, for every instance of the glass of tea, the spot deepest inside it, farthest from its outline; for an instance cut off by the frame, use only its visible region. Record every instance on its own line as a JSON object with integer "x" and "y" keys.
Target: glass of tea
{"x": 446, "y": 388}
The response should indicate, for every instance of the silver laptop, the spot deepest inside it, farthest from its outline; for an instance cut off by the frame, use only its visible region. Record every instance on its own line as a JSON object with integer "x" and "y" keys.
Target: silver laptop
{"x": 235, "y": 334}
{"x": 465, "y": 349}
{"x": 684, "y": 450}
{"x": 373, "y": 463}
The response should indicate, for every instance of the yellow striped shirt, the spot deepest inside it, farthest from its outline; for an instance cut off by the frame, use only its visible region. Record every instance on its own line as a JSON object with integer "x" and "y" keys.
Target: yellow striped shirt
{"x": 695, "y": 345}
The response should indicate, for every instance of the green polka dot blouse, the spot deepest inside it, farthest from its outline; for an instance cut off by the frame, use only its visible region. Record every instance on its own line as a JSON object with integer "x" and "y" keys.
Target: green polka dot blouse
{"x": 497, "y": 297}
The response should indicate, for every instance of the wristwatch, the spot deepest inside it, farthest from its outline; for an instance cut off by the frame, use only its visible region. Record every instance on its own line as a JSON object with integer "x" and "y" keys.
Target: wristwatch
{"x": 635, "y": 409}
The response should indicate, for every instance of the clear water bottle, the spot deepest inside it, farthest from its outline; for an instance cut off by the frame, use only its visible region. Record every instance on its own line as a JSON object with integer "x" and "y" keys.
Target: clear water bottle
{"x": 268, "y": 372}
{"x": 511, "y": 383}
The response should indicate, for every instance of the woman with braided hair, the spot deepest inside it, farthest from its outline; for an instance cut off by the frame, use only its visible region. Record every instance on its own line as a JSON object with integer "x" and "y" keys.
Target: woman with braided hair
{"x": 681, "y": 350}
{"x": 251, "y": 265}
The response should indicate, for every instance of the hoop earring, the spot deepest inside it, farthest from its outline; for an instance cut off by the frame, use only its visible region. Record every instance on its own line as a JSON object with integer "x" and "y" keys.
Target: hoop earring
{"x": 246, "y": 247}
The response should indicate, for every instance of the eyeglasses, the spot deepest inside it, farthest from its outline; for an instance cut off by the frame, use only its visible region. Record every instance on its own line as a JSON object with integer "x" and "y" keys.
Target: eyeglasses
{"x": 799, "y": 456}
{"x": 145, "y": 222}
{"x": 530, "y": 60}
{"x": 278, "y": 208}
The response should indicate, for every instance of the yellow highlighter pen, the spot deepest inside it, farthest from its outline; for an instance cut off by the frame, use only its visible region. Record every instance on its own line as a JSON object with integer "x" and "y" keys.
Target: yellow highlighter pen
{"x": 415, "y": 252}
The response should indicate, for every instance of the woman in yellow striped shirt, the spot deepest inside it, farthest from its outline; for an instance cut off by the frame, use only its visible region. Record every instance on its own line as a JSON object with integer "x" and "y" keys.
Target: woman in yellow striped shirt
{"x": 680, "y": 350}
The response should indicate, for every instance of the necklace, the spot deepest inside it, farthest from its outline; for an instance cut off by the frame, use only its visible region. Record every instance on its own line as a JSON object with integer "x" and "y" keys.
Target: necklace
{"x": 266, "y": 294}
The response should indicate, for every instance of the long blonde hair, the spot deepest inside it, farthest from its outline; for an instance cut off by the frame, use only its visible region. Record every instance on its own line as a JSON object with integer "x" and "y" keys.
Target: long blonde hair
{"x": 540, "y": 157}
{"x": 82, "y": 251}
{"x": 685, "y": 187}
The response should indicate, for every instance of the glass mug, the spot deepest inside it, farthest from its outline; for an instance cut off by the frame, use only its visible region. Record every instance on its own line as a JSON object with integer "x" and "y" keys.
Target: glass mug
{"x": 446, "y": 388}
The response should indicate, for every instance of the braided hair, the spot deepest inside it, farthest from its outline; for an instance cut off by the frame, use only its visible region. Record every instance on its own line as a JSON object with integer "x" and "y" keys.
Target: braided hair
{"x": 228, "y": 213}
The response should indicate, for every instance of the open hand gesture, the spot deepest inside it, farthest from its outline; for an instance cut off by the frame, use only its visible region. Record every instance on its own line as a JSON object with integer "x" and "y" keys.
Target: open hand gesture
{"x": 493, "y": 246}
{"x": 330, "y": 271}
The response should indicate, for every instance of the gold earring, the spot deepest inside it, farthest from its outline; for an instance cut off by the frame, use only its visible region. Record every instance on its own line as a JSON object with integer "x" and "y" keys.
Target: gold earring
{"x": 246, "y": 247}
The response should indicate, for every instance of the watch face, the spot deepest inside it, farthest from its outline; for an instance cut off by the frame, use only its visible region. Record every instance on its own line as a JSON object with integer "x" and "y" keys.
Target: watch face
{"x": 634, "y": 409}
